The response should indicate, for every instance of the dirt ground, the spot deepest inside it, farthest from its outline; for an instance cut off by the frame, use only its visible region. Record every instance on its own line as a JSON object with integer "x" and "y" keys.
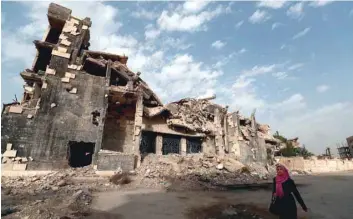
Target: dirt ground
{"x": 328, "y": 196}
{"x": 74, "y": 194}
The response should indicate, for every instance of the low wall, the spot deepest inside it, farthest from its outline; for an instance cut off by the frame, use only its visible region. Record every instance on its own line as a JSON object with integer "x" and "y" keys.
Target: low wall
{"x": 316, "y": 166}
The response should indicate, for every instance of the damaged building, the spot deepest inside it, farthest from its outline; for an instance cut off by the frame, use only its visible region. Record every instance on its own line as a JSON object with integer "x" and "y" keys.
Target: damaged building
{"x": 83, "y": 107}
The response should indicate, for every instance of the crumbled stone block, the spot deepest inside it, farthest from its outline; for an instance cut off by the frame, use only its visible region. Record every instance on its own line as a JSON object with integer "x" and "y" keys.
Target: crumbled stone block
{"x": 72, "y": 67}
{"x": 10, "y": 153}
{"x": 73, "y": 90}
{"x": 30, "y": 158}
{"x": 18, "y": 158}
{"x": 45, "y": 85}
{"x": 70, "y": 75}
{"x": 19, "y": 167}
{"x": 53, "y": 105}
{"x": 24, "y": 159}
{"x": 29, "y": 116}
{"x": 9, "y": 147}
{"x": 75, "y": 21}
{"x": 65, "y": 42}
{"x": 74, "y": 33}
{"x": 62, "y": 49}
{"x": 6, "y": 160}
{"x": 69, "y": 27}
{"x": 61, "y": 54}
{"x": 62, "y": 37}
{"x": 80, "y": 67}
{"x": 16, "y": 109}
{"x": 50, "y": 71}
{"x": 65, "y": 80}
{"x": 84, "y": 27}
{"x": 29, "y": 89}
{"x": 6, "y": 166}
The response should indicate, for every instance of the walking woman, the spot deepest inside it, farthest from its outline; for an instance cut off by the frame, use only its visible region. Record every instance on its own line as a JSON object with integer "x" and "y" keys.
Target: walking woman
{"x": 283, "y": 203}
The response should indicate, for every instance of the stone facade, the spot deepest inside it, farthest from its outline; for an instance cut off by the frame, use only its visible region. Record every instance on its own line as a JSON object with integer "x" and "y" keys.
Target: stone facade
{"x": 84, "y": 107}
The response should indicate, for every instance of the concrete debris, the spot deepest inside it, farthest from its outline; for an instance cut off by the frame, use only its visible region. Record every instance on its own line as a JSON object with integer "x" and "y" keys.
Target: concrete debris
{"x": 10, "y": 153}
{"x": 29, "y": 116}
{"x": 8, "y": 147}
{"x": 52, "y": 105}
{"x": 193, "y": 172}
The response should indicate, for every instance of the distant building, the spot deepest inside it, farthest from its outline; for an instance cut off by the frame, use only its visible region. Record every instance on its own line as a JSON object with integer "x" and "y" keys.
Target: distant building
{"x": 347, "y": 150}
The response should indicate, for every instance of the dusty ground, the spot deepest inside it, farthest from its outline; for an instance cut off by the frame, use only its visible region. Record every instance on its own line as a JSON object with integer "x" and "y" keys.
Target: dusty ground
{"x": 169, "y": 188}
{"x": 328, "y": 196}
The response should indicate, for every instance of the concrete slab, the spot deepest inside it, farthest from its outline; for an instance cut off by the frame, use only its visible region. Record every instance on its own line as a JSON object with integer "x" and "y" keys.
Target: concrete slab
{"x": 9, "y": 147}
{"x": 65, "y": 42}
{"x": 63, "y": 37}
{"x": 15, "y": 109}
{"x": 61, "y": 54}
{"x": 50, "y": 71}
{"x": 20, "y": 167}
{"x": 62, "y": 49}
{"x": 72, "y": 67}
{"x": 70, "y": 75}
{"x": 65, "y": 80}
{"x": 10, "y": 153}
{"x": 73, "y": 91}
{"x": 6, "y": 167}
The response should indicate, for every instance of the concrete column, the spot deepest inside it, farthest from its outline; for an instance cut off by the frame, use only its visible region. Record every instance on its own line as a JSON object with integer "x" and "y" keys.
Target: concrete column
{"x": 219, "y": 133}
{"x": 138, "y": 124}
{"x": 183, "y": 146}
{"x": 225, "y": 129}
{"x": 159, "y": 144}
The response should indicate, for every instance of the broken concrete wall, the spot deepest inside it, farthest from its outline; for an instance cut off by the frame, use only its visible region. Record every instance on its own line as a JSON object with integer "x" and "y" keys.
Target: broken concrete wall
{"x": 159, "y": 124}
{"x": 119, "y": 130}
{"x": 46, "y": 136}
{"x": 314, "y": 165}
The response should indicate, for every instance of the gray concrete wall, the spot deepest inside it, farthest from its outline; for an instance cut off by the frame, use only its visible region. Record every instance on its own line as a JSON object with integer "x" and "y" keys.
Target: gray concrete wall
{"x": 45, "y": 137}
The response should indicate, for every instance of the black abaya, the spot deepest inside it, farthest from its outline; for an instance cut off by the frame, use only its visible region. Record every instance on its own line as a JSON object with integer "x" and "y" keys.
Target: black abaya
{"x": 286, "y": 204}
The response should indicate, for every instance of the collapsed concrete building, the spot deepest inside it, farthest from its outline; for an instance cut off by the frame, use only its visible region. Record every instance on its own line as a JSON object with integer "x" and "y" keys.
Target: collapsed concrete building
{"x": 83, "y": 107}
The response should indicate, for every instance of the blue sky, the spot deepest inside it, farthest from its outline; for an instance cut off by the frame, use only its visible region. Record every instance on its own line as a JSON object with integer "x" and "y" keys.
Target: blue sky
{"x": 292, "y": 61}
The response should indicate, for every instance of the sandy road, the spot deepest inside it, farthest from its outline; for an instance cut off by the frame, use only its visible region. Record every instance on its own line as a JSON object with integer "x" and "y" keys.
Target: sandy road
{"x": 328, "y": 196}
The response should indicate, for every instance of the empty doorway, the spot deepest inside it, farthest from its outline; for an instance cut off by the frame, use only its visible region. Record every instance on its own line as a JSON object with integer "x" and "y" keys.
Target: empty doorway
{"x": 80, "y": 153}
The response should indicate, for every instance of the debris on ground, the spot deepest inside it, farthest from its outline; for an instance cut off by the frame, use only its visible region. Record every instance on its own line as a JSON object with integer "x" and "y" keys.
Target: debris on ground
{"x": 227, "y": 211}
{"x": 68, "y": 193}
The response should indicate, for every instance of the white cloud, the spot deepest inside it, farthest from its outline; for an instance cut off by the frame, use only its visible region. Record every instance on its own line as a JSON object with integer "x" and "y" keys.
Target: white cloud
{"x": 176, "y": 43}
{"x": 351, "y": 13}
{"x": 183, "y": 74}
{"x": 259, "y": 17}
{"x": 239, "y": 24}
{"x": 301, "y": 33}
{"x": 195, "y": 6}
{"x": 218, "y": 44}
{"x": 141, "y": 13}
{"x": 295, "y": 66}
{"x": 296, "y": 11}
{"x": 322, "y": 88}
{"x": 151, "y": 32}
{"x": 274, "y": 4}
{"x": 280, "y": 75}
{"x": 293, "y": 103}
{"x": 317, "y": 128}
{"x": 276, "y": 25}
{"x": 320, "y": 3}
{"x": 258, "y": 70}
{"x": 243, "y": 50}
{"x": 180, "y": 21}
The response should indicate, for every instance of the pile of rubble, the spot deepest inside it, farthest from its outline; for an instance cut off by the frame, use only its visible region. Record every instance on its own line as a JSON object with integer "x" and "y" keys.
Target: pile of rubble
{"x": 54, "y": 195}
{"x": 194, "y": 172}
{"x": 11, "y": 161}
